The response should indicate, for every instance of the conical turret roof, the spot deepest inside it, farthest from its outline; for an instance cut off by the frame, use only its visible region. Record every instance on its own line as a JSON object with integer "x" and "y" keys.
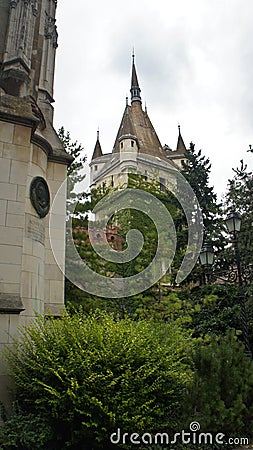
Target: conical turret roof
{"x": 97, "y": 150}
{"x": 136, "y": 122}
{"x": 181, "y": 148}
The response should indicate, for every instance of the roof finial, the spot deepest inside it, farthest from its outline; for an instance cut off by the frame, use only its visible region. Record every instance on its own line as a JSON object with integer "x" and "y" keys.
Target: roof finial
{"x": 133, "y": 55}
{"x": 179, "y": 128}
{"x": 98, "y": 134}
{"x": 135, "y": 89}
{"x": 126, "y": 100}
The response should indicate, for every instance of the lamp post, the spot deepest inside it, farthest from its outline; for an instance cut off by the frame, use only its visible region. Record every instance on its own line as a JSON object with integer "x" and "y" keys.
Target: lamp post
{"x": 233, "y": 223}
{"x": 206, "y": 258}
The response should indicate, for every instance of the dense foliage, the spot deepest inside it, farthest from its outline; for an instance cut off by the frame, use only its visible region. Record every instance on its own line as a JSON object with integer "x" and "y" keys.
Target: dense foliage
{"x": 197, "y": 170}
{"x": 239, "y": 198}
{"x": 87, "y": 376}
{"x": 80, "y": 379}
{"x": 123, "y": 221}
{"x": 221, "y": 396}
{"x": 75, "y": 174}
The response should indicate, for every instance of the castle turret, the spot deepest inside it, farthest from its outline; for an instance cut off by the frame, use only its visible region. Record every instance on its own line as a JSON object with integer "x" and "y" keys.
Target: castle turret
{"x": 137, "y": 148}
{"x": 97, "y": 150}
{"x": 181, "y": 148}
{"x": 178, "y": 155}
{"x": 137, "y": 124}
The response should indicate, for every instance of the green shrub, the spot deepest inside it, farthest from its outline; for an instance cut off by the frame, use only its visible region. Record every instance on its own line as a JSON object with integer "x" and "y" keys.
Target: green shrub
{"x": 221, "y": 396}
{"x": 88, "y": 376}
{"x": 25, "y": 432}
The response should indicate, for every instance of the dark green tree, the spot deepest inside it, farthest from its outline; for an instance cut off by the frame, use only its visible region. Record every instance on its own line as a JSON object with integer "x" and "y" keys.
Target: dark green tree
{"x": 76, "y": 150}
{"x": 78, "y": 206}
{"x": 221, "y": 396}
{"x": 214, "y": 309}
{"x": 197, "y": 171}
{"x": 239, "y": 198}
{"x": 75, "y": 175}
{"x": 125, "y": 220}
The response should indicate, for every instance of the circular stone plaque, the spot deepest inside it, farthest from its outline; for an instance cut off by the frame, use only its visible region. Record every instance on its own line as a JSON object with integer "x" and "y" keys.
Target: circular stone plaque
{"x": 39, "y": 195}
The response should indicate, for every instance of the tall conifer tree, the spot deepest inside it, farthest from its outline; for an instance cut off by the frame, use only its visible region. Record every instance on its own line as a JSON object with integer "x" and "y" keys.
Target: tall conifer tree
{"x": 197, "y": 170}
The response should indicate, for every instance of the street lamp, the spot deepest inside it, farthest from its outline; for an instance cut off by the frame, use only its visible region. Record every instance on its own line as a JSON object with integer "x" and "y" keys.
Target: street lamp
{"x": 206, "y": 258}
{"x": 233, "y": 223}
{"x": 206, "y": 255}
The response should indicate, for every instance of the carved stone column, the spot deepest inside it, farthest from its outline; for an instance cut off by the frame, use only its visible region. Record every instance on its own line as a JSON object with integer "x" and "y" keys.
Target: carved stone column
{"x": 50, "y": 44}
{"x": 18, "y": 48}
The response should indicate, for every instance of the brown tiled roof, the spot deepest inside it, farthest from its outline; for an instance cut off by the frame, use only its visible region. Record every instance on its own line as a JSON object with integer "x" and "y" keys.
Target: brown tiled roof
{"x": 137, "y": 123}
{"x": 126, "y": 126}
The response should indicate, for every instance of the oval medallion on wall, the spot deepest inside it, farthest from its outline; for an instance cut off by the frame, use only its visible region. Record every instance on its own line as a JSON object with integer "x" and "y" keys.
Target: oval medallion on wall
{"x": 40, "y": 196}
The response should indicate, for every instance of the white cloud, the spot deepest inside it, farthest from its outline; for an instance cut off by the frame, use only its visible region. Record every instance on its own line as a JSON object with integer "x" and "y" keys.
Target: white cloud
{"x": 194, "y": 62}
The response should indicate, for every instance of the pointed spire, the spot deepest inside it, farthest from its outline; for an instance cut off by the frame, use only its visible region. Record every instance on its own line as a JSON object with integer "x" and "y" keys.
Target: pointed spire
{"x": 135, "y": 89}
{"x": 126, "y": 128}
{"x": 180, "y": 142}
{"x": 97, "y": 150}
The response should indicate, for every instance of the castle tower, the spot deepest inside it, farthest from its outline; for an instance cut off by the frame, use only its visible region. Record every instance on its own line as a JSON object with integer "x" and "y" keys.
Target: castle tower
{"x": 137, "y": 148}
{"x": 33, "y": 166}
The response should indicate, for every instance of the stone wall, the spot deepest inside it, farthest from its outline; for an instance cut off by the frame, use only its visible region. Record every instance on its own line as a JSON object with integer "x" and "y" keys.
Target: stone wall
{"x": 33, "y": 165}
{"x": 31, "y": 281}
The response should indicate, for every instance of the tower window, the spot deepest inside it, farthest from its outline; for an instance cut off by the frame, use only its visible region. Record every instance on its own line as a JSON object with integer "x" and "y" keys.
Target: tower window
{"x": 162, "y": 185}
{"x": 121, "y": 145}
{"x": 95, "y": 167}
{"x": 132, "y": 143}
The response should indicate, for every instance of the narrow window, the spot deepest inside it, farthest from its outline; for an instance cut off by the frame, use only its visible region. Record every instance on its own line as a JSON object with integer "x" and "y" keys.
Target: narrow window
{"x": 162, "y": 185}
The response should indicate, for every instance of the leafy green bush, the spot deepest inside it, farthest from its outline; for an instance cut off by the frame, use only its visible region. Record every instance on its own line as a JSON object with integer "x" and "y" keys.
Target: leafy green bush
{"x": 89, "y": 376}
{"x": 214, "y": 309}
{"x": 26, "y": 432}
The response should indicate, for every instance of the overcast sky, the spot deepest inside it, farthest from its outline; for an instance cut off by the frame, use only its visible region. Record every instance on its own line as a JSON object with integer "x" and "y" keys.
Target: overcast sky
{"x": 194, "y": 62}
